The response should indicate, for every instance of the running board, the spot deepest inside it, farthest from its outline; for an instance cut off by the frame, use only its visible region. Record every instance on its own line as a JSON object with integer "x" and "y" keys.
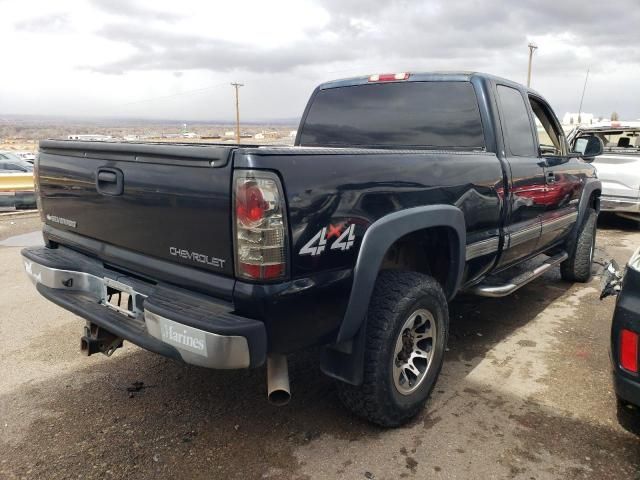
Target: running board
{"x": 485, "y": 289}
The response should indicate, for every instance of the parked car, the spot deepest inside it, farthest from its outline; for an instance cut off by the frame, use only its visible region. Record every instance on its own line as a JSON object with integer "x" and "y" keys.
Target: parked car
{"x": 402, "y": 191}
{"x": 16, "y": 182}
{"x": 625, "y": 338}
{"x": 8, "y": 164}
{"x": 618, "y": 167}
{"x": 27, "y": 156}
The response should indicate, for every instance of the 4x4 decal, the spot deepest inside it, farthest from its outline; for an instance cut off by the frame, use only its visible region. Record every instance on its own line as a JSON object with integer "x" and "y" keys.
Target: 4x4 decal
{"x": 344, "y": 241}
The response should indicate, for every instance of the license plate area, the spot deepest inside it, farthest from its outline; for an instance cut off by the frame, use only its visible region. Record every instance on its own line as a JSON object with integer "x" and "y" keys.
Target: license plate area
{"x": 121, "y": 298}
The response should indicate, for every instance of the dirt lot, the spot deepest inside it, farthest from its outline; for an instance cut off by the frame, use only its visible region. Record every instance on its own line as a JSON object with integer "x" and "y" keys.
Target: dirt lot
{"x": 525, "y": 393}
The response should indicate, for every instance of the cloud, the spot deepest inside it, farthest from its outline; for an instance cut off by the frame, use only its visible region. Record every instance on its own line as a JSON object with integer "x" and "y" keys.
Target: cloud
{"x": 464, "y": 32}
{"x": 133, "y": 9}
{"x": 134, "y": 48}
{"x": 45, "y": 24}
{"x": 159, "y": 49}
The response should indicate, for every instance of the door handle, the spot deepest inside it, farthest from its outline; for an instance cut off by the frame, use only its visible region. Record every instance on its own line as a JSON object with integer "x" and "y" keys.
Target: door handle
{"x": 551, "y": 177}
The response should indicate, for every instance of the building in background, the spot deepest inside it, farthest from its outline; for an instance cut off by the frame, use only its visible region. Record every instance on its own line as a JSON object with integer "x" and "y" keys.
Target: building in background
{"x": 266, "y": 135}
{"x": 572, "y": 118}
{"x": 90, "y": 137}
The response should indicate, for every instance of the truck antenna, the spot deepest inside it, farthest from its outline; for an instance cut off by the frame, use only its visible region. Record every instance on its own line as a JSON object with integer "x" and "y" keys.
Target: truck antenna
{"x": 582, "y": 98}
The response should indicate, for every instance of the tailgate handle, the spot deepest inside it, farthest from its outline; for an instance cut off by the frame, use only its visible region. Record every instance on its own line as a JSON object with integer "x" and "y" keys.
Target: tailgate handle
{"x": 109, "y": 177}
{"x": 109, "y": 181}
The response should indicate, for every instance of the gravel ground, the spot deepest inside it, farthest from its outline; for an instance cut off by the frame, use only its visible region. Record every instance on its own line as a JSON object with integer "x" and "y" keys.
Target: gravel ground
{"x": 525, "y": 393}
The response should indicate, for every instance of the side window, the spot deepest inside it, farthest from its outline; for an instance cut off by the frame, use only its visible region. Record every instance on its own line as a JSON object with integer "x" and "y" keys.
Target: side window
{"x": 550, "y": 138}
{"x": 516, "y": 124}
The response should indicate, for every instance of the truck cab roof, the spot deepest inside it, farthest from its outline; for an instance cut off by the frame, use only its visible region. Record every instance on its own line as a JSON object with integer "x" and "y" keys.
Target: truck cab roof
{"x": 455, "y": 76}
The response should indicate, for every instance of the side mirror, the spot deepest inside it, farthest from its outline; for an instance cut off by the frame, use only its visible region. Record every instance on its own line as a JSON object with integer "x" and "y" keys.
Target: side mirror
{"x": 588, "y": 147}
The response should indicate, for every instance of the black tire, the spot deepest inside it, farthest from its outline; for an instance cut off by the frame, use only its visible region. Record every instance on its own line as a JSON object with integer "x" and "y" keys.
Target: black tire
{"x": 577, "y": 268}
{"x": 628, "y": 416}
{"x": 396, "y": 297}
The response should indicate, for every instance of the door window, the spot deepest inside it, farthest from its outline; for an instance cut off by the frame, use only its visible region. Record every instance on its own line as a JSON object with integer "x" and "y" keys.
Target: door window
{"x": 516, "y": 123}
{"x": 550, "y": 142}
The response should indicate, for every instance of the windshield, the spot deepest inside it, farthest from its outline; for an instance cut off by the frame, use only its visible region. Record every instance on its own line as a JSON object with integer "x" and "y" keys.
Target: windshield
{"x": 15, "y": 165}
{"x": 396, "y": 115}
{"x": 621, "y": 141}
{"x": 9, "y": 156}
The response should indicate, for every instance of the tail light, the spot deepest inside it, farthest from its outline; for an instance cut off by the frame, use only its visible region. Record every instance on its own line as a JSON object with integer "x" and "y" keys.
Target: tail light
{"x": 629, "y": 350}
{"x": 260, "y": 226}
{"x": 388, "y": 77}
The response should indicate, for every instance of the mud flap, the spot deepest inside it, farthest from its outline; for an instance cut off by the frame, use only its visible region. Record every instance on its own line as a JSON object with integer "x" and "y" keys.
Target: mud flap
{"x": 345, "y": 361}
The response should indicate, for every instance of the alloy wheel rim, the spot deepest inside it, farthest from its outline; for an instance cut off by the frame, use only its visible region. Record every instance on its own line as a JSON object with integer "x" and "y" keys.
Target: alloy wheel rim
{"x": 412, "y": 356}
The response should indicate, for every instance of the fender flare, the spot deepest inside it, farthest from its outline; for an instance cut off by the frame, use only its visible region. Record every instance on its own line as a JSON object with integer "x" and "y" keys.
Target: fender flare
{"x": 375, "y": 244}
{"x": 591, "y": 185}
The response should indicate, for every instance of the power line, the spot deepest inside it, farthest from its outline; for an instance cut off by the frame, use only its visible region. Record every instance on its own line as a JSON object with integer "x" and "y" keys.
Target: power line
{"x": 532, "y": 48}
{"x": 186, "y": 92}
{"x": 237, "y": 86}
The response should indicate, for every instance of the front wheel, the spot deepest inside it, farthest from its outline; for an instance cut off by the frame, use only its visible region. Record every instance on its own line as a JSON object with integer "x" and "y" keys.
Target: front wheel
{"x": 406, "y": 333}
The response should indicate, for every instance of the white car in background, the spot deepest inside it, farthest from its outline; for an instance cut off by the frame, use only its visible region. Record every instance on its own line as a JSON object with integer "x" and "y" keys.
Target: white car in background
{"x": 618, "y": 167}
{"x": 26, "y": 156}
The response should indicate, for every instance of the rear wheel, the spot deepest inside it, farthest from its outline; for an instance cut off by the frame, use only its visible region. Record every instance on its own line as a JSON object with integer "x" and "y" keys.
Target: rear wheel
{"x": 406, "y": 333}
{"x": 577, "y": 268}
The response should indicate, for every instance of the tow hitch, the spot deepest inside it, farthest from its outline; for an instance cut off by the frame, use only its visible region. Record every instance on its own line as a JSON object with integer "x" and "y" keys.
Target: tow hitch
{"x": 98, "y": 340}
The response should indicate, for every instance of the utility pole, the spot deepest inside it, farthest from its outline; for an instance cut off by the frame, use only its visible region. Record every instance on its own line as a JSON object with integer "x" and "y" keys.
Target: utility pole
{"x": 582, "y": 98}
{"x": 237, "y": 86}
{"x": 532, "y": 48}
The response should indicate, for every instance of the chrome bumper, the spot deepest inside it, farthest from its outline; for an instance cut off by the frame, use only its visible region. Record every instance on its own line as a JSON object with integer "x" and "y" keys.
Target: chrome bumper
{"x": 194, "y": 345}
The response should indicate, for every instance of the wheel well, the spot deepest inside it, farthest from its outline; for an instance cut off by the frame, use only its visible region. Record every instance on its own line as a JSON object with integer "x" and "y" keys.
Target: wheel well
{"x": 594, "y": 200}
{"x": 426, "y": 251}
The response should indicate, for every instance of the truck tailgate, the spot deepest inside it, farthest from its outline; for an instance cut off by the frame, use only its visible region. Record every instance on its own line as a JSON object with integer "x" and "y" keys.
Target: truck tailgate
{"x": 167, "y": 201}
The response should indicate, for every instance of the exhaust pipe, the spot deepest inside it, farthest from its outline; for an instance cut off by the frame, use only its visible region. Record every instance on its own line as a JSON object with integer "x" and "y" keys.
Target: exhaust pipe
{"x": 278, "y": 380}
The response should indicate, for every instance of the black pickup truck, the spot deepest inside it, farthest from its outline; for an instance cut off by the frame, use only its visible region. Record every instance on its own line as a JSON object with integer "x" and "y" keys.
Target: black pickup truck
{"x": 402, "y": 191}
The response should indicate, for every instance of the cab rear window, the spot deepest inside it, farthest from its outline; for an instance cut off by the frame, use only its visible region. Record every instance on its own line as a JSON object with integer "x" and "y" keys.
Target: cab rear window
{"x": 441, "y": 114}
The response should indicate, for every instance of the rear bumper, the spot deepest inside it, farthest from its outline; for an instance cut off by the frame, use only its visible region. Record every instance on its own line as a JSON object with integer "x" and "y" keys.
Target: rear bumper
{"x": 164, "y": 319}
{"x": 626, "y": 389}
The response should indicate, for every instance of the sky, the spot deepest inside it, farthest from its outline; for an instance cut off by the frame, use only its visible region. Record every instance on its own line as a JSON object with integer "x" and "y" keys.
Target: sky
{"x": 176, "y": 59}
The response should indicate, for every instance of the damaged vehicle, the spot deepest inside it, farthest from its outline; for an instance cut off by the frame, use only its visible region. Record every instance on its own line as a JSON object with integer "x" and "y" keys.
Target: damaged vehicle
{"x": 625, "y": 338}
{"x": 618, "y": 167}
{"x": 402, "y": 191}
